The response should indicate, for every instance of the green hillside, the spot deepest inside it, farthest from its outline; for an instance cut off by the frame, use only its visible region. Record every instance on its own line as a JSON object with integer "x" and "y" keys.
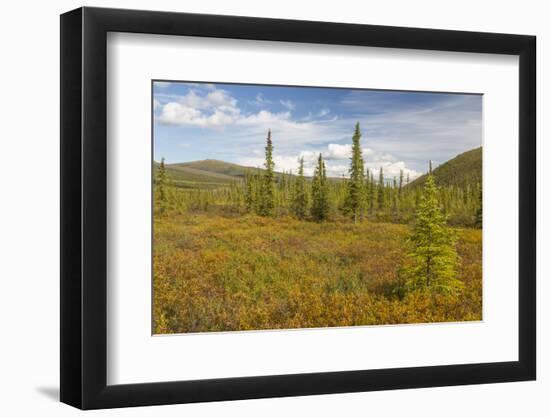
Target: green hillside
{"x": 460, "y": 171}
{"x": 206, "y": 174}
{"x": 214, "y": 167}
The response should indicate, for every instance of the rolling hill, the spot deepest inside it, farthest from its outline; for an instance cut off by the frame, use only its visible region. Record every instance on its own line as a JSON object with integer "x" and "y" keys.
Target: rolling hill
{"x": 208, "y": 173}
{"x": 460, "y": 171}
{"x": 214, "y": 167}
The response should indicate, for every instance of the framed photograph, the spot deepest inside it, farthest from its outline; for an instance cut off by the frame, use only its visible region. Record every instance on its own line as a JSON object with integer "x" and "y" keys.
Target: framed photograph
{"x": 257, "y": 208}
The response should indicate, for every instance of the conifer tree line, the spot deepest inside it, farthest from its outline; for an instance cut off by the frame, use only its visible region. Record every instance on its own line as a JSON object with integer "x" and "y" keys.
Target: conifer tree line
{"x": 362, "y": 194}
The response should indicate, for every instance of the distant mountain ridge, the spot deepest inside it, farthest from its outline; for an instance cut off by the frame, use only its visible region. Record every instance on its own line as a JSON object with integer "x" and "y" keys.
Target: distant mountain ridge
{"x": 215, "y": 167}
{"x": 462, "y": 170}
{"x": 206, "y": 173}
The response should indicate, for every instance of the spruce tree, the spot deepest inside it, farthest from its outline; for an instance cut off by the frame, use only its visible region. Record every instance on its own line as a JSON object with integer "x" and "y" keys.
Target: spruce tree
{"x": 319, "y": 192}
{"x": 394, "y": 192}
{"x": 257, "y": 186}
{"x": 400, "y": 184}
{"x": 161, "y": 185}
{"x": 235, "y": 196}
{"x": 249, "y": 191}
{"x": 355, "y": 192}
{"x": 371, "y": 192}
{"x": 267, "y": 195}
{"x": 366, "y": 188}
{"x": 299, "y": 194}
{"x": 433, "y": 256}
{"x": 381, "y": 190}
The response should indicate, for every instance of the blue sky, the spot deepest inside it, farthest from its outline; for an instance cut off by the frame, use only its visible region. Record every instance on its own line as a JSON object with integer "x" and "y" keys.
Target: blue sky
{"x": 229, "y": 122}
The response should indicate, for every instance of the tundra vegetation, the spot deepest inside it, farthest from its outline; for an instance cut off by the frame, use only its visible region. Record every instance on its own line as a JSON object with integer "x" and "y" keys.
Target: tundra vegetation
{"x": 239, "y": 248}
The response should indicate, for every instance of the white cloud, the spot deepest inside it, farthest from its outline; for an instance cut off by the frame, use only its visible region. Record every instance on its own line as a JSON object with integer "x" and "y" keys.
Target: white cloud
{"x": 264, "y": 118}
{"x": 320, "y": 114}
{"x": 260, "y": 100}
{"x": 214, "y": 109}
{"x": 336, "y": 151}
{"x": 215, "y": 99}
{"x": 192, "y": 99}
{"x": 287, "y": 133}
{"x": 288, "y": 104}
{"x": 391, "y": 169}
{"x": 179, "y": 114}
{"x": 221, "y": 98}
{"x": 282, "y": 162}
{"x": 176, "y": 113}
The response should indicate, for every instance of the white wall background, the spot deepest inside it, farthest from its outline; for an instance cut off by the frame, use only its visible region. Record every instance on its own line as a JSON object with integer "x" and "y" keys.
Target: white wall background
{"x": 29, "y": 225}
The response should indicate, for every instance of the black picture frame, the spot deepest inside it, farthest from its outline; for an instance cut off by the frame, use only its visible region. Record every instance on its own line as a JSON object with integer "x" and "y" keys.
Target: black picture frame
{"x": 84, "y": 207}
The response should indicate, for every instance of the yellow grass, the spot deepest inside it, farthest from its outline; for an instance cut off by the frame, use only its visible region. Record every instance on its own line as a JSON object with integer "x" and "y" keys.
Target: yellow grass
{"x": 216, "y": 273}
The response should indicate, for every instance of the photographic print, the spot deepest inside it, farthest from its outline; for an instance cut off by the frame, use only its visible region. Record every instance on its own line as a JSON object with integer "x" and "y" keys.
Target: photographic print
{"x": 288, "y": 207}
